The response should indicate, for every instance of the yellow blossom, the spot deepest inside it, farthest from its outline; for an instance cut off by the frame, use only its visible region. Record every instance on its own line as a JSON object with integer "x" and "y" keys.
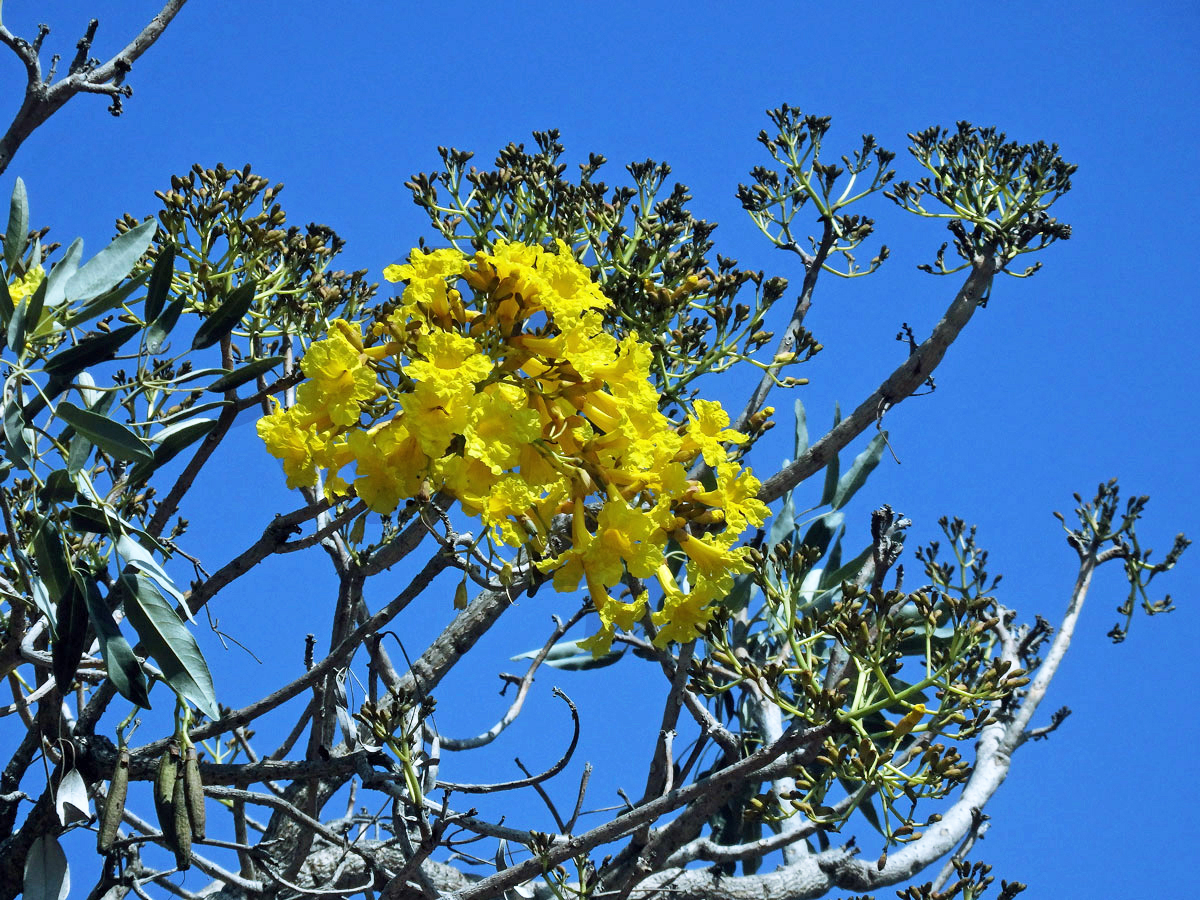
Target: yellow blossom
{"x": 25, "y": 285}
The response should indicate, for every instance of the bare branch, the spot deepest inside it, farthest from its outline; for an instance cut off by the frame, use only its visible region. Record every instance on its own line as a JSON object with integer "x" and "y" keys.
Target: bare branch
{"x": 907, "y": 377}
{"x": 42, "y": 100}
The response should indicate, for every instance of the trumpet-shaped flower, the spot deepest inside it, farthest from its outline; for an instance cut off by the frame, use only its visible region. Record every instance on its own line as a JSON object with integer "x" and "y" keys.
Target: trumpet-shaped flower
{"x": 736, "y": 495}
{"x": 500, "y": 425}
{"x": 707, "y": 430}
{"x": 389, "y": 462}
{"x": 338, "y": 380}
{"x": 291, "y": 438}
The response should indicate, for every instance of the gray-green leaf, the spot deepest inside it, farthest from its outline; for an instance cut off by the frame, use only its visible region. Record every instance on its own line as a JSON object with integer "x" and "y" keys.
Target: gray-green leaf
{"x": 61, "y": 275}
{"x": 862, "y": 466}
{"x": 160, "y": 282}
{"x": 71, "y": 798}
{"x": 14, "y": 431}
{"x": 169, "y": 642}
{"x": 98, "y": 348}
{"x": 123, "y": 668}
{"x": 248, "y": 372}
{"x": 112, "y": 437}
{"x": 156, "y": 334}
{"x": 16, "y": 236}
{"x": 113, "y": 263}
{"x": 140, "y": 558}
{"x": 831, "y": 470}
{"x": 226, "y": 316}
{"x": 47, "y": 876}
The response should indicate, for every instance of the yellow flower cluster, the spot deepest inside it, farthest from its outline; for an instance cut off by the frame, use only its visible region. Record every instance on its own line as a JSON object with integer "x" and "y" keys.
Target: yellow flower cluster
{"x": 493, "y": 380}
{"x": 25, "y": 285}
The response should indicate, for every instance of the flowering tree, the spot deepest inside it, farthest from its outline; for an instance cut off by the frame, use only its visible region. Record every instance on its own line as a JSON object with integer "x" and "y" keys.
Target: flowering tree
{"x": 522, "y": 414}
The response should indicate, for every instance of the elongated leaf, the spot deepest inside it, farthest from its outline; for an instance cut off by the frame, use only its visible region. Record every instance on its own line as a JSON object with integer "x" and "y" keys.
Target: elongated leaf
{"x": 156, "y": 334}
{"x": 141, "y": 559}
{"x": 98, "y": 348}
{"x": 62, "y": 273}
{"x": 80, "y": 447}
{"x": 831, "y": 470}
{"x": 172, "y": 442}
{"x": 108, "y": 300}
{"x": 180, "y": 417}
{"x": 862, "y": 466}
{"x": 821, "y": 532}
{"x": 571, "y": 657}
{"x": 783, "y": 523}
{"x": 169, "y": 642}
{"x": 53, "y": 565}
{"x": 41, "y": 599}
{"x": 59, "y": 488}
{"x": 47, "y": 876}
{"x": 97, "y": 520}
{"x": 17, "y": 450}
{"x": 248, "y": 372}
{"x": 160, "y": 282}
{"x": 123, "y": 668}
{"x": 112, "y": 437}
{"x": 801, "y": 430}
{"x": 72, "y": 637}
{"x": 197, "y": 374}
{"x": 33, "y": 313}
{"x": 6, "y": 308}
{"x": 89, "y": 395}
{"x": 108, "y": 267}
{"x": 16, "y": 236}
{"x": 832, "y": 577}
{"x": 226, "y": 316}
{"x": 71, "y": 799}
{"x": 15, "y": 334}
{"x": 833, "y": 560}
{"x": 179, "y": 436}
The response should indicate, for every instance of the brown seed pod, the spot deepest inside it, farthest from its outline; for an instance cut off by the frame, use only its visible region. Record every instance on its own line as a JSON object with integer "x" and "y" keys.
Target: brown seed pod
{"x": 194, "y": 792}
{"x": 183, "y": 825}
{"x": 164, "y": 793}
{"x": 114, "y": 804}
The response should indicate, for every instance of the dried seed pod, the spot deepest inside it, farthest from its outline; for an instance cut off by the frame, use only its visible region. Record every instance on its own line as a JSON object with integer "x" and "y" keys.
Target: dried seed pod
{"x": 194, "y": 792}
{"x": 164, "y": 792}
{"x": 182, "y": 826}
{"x": 114, "y": 804}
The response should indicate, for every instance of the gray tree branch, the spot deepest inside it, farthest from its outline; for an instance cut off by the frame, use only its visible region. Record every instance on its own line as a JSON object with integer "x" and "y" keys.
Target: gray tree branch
{"x": 43, "y": 99}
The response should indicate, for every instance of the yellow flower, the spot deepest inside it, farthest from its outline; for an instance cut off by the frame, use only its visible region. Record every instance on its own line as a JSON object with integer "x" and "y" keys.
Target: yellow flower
{"x": 683, "y": 616}
{"x": 570, "y": 289}
{"x": 736, "y": 495}
{"x": 338, "y": 380}
{"x": 449, "y": 362}
{"x": 500, "y": 425}
{"x": 289, "y": 438}
{"x": 468, "y": 480}
{"x": 25, "y": 285}
{"x": 707, "y": 430}
{"x": 510, "y": 497}
{"x": 444, "y": 263}
{"x": 434, "y": 415}
{"x": 389, "y": 463}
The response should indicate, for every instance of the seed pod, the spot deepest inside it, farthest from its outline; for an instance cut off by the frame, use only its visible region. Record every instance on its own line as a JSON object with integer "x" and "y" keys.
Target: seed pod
{"x": 114, "y": 804}
{"x": 164, "y": 792}
{"x": 194, "y": 792}
{"x": 183, "y": 825}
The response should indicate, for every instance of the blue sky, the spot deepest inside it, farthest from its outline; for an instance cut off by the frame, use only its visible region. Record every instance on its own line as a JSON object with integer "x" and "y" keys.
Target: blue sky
{"x": 1080, "y": 374}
